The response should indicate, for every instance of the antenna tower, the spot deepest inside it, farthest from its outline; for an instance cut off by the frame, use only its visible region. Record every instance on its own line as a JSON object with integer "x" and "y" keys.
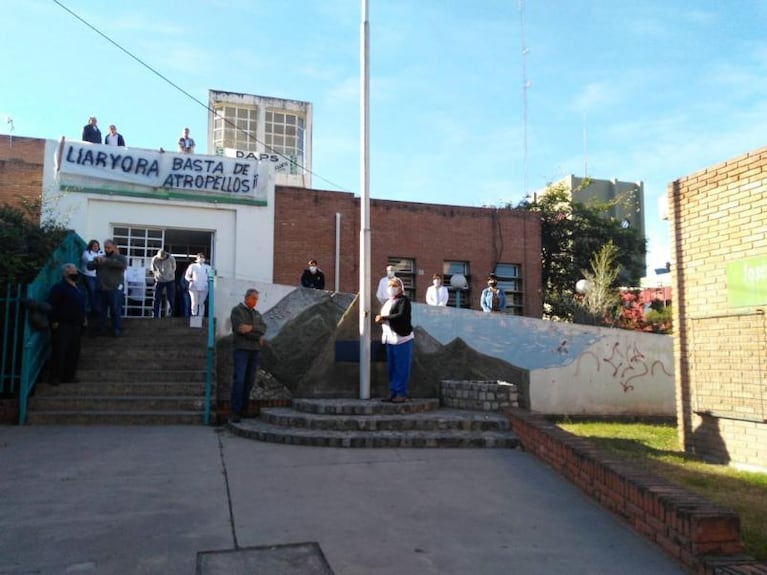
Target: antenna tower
{"x": 525, "y": 86}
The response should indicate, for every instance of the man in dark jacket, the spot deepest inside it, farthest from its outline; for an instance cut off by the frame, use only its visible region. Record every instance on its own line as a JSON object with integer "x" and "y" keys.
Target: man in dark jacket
{"x": 91, "y": 132}
{"x": 67, "y": 319}
{"x": 248, "y": 329}
{"x": 313, "y": 277}
{"x": 110, "y": 269}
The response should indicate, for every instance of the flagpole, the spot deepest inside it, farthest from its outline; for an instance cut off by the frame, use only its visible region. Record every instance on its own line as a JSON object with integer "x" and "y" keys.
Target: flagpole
{"x": 365, "y": 298}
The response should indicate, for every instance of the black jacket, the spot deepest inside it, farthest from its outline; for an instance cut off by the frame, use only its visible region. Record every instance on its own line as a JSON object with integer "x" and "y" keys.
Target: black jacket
{"x": 399, "y": 317}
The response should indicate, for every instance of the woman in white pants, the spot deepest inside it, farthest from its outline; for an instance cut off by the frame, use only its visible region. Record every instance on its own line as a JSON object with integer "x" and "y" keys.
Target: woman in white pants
{"x": 197, "y": 276}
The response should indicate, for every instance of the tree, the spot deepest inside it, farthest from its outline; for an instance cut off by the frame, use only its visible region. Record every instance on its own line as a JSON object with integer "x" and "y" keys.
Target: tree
{"x": 571, "y": 233}
{"x": 599, "y": 303}
{"x": 26, "y": 243}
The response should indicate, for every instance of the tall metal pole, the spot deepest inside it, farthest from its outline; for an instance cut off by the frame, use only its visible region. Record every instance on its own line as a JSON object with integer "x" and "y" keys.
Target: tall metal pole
{"x": 364, "y": 293}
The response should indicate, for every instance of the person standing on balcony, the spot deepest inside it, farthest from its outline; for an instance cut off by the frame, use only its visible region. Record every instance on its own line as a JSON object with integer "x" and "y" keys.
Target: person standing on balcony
{"x": 91, "y": 132}
{"x": 186, "y": 143}
{"x": 114, "y": 138}
{"x": 67, "y": 319}
{"x": 110, "y": 279}
{"x": 197, "y": 276}
{"x": 313, "y": 276}
{"x": 164, "y": 271}
{"x": 248, "y": 330}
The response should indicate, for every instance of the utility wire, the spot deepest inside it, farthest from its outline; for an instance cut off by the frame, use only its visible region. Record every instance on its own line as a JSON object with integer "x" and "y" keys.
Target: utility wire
{"x": 196, "y": 100}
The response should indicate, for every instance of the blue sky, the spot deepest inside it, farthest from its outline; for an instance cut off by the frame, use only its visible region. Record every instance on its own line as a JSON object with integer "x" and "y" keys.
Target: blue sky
{"x": 660, "y": 88}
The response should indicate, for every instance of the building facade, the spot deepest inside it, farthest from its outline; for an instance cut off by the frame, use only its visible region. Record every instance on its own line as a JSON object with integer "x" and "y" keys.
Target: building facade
{"x": 627, "y": 199}
{"x": 718, "y": 220}
{"x": 263, "y": 232}
{"x": 273, "y": 129}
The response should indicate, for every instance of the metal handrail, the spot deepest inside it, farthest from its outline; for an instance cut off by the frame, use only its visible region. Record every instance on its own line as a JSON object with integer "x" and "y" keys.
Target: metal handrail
{"x": 211, "y": 349}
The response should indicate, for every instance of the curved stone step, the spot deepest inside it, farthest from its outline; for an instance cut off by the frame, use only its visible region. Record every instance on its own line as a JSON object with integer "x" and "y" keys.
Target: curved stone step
{"x": 364, "y": 406}
{"x": 262, "y": 431}
{"x": 438, "y": 420}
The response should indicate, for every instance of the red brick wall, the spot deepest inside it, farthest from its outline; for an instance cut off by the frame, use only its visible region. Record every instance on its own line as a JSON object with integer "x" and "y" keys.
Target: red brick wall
{"x": 21, "y": 169}
{"x": 719, "y": 215}
{"x": 428, "y": 233}
{"x": 700, "y": 534}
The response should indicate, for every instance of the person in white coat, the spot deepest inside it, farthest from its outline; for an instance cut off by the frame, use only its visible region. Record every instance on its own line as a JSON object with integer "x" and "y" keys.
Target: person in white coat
{"x": 197, "y": 276}
{"x": 437, "y": 293}
{"x": 383, "y": 283}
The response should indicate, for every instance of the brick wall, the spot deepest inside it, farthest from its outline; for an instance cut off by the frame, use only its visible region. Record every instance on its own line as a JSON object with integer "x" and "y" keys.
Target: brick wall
{"x": 21, "y": 169}
{"x": 703, "y": 536}
{"x": 719, "y": 215}
{"x": 428, "y": 233}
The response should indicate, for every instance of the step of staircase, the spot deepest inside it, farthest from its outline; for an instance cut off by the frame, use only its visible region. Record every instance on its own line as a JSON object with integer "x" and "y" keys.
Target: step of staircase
{"x": 154, "y": 373}
{"x": 372, "y": 423}
{"x": 114, "y": 418}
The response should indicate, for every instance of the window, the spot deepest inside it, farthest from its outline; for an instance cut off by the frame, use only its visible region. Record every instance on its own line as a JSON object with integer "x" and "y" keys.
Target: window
{"x": 285, "y": 135}
{"x": 404, "y": 269}
{"x": 510, "y": 280}
{"x": 235, "y": 127}
{"x": 458, "y": 297}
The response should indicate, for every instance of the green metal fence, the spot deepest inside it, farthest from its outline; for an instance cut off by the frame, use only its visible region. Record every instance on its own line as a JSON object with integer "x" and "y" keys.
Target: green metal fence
{"x": 26, "y": 345}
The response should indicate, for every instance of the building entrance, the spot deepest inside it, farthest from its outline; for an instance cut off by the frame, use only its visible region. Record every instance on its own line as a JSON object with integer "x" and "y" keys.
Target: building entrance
{"x": 140, "y": 245}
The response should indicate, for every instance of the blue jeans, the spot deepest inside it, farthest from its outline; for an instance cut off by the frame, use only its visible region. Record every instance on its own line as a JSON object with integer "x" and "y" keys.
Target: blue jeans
{"x": 169, "y": 288}
{"x": 112, "y": 301}
{"x": 398, "y": 365}
{"x": 245, "y": 363}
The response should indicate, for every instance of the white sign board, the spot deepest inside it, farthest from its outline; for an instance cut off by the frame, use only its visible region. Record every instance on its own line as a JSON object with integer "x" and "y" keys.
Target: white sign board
{"x": 244, "y": 178}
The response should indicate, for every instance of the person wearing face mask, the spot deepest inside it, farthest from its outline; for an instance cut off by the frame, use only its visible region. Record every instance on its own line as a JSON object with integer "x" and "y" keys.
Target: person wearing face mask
{"x": 493, "y": 298}
{"x": 248, "y": 329}
{"x": 437, "y": 293}
{"x": 397, "y": 336}
{"x": 197, "y": 276}
{"x": 383, "y": 284}
{"x": 67, "y": 319}
{"x": 110, "y": 271}
{"x": 313, "y": 277}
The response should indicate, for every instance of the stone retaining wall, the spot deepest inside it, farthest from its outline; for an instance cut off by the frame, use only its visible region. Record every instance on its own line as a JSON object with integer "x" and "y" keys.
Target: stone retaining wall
{"x": 703, "y": 536}
{"x": 478, "y": 395}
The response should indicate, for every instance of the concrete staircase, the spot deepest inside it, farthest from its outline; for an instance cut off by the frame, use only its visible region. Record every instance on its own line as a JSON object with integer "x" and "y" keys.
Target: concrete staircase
{"x": 154, "y": 373}
{"x": 372, "y": 423}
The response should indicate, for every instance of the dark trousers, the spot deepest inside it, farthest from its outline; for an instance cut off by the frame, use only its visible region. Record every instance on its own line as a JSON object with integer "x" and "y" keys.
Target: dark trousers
{"x": 110, "y": 301}
{"x": 90, "y": 289}
{"x": 245, "y": 363}
{"x": 169, "y": 288}
{"x": 66, "y": 352}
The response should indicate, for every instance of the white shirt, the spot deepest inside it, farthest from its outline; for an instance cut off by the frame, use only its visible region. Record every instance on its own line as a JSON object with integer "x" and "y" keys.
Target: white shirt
{"x": 388, "y": 335}
{"x": 88, "y": 256}
{"x": 437, "y": 295}
{"x": 197, "y": 276}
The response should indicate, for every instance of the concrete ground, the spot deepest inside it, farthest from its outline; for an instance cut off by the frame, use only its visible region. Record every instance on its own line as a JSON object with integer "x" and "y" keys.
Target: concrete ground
{"x": 145, "y": 500}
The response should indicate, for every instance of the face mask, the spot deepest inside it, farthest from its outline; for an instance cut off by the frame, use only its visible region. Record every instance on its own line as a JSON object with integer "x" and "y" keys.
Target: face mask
{"x": 200, "y": 260}
{"x": 313, "y": 269}
{"x": 72, "y": 277}
{"x": 251, "y": 302}
{"x": 391, "y": 291}
{"x": 390, "y": 274}
{"x": 436, "y": 283}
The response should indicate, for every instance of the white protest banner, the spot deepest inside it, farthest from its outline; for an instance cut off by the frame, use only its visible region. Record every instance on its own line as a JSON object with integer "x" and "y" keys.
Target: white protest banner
{"x": 241, "y": 178}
